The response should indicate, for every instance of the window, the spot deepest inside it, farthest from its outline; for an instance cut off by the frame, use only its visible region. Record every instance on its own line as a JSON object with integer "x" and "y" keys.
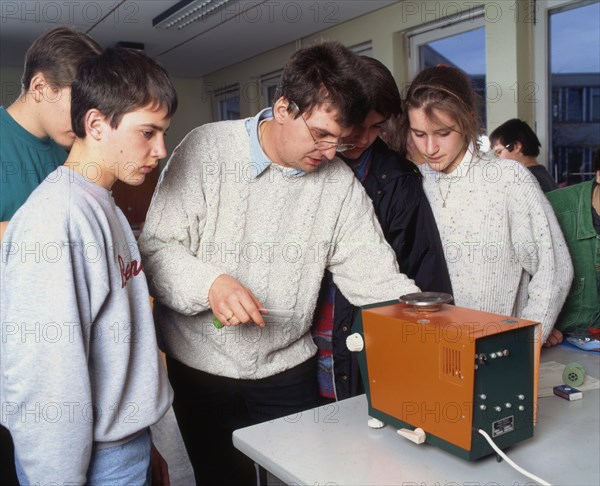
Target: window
{"x": 459, "y": 42}
{"x": 594, "y": 105}
{"x": 363, "y": 49}
{"x": 269, "y": 83}
{"x": 571, "y": 68}
{"x": 228, "y": 102}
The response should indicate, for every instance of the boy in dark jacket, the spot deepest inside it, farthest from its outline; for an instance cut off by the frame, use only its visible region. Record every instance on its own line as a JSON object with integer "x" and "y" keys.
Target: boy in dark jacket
{"x": 394, "y": 185}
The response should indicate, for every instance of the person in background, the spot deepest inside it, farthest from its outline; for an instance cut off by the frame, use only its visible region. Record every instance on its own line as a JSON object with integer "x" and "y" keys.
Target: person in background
{"x": 504, "y": 248}
{"x": 394, "y": 185}
{"x": 515, "y": 140}
{"x": 577, "y": 208}
{"x": 246, "y": 218}
{"x": 35, "y": 132}
{"x": 71, "y": 269}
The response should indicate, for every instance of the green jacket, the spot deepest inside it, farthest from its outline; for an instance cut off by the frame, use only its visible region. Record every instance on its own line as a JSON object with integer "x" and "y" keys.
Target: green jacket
{"x": 573, "y": 208}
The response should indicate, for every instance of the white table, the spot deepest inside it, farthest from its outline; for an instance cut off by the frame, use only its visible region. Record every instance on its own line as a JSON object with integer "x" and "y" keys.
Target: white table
{"x": 333, "y": 446}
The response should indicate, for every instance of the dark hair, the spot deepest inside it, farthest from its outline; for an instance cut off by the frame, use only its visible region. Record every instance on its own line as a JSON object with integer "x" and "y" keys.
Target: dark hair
{"x": 117, "y": 82}
{"x": 391, "y": 134}
{"x": 57, "y": 54}
{"x": 516, "y": 130}
{"x": 380, "y": 87}
{"x": 325, "y": 73}
{"x": 447, "y": 89}
{"x": 596, "y": 160}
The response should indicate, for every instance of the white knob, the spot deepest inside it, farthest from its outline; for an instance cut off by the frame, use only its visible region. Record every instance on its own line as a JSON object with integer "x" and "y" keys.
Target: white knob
{"x": 355, "y": 342}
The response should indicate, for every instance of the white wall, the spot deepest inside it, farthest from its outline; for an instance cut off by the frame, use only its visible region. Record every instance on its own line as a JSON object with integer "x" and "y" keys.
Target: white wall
{"x": 10, "y": 84}
{"x": 191, "y": 112}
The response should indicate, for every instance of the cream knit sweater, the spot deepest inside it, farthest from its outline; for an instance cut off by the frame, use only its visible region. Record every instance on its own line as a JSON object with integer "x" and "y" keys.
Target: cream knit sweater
{"x": 504, "y": 248}
{"x": 275, "y": 233}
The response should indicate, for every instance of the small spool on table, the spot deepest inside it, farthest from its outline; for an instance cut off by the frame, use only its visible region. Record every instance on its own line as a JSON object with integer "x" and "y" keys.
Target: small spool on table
{"x": 573, "y": 374}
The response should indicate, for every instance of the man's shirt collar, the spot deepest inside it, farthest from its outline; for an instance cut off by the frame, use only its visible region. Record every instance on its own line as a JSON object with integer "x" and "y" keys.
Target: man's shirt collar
{"x": 260, "y": 161}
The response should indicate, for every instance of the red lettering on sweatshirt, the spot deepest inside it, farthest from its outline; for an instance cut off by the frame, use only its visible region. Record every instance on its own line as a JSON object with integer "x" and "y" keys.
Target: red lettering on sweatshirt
{"x": 132, "y": 269}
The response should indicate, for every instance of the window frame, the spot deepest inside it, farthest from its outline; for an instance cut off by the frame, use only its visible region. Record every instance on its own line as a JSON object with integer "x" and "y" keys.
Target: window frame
{"x": 229, "y": 92}
{"x": 468, "y": 20}
{"x": 541, "y": 58}
{"x": 363, "y": 48}
{"x": 268, "y": 81}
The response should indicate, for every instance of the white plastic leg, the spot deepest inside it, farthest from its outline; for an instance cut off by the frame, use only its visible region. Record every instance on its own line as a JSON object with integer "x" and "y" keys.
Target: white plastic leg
{"x": 375, "y": 423}
{"x": 417, "y": 436}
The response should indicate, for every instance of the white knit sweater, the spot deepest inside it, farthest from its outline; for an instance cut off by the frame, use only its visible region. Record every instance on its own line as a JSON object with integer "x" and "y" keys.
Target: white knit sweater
{"x": 504, "y": 248}
{"x": 275, "y": 233}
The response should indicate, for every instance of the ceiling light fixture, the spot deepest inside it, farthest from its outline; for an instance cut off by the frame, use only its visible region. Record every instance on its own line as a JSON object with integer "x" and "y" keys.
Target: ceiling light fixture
{"x": 186, "y": 12}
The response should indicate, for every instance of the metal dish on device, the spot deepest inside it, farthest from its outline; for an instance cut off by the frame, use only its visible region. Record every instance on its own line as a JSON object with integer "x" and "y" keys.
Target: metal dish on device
{"x": 426, "y": 301}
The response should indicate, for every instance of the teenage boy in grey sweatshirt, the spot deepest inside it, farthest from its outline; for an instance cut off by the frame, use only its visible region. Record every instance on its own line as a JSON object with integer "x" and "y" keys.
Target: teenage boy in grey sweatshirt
{"x": 80, "y": 376}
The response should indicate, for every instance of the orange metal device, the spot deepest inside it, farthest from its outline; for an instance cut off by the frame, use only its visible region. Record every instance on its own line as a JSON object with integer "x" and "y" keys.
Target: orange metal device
{"x": 451, "y": 372}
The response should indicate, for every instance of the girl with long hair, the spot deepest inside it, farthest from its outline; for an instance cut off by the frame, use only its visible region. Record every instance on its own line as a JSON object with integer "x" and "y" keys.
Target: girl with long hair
{"x": 504, "y": 248}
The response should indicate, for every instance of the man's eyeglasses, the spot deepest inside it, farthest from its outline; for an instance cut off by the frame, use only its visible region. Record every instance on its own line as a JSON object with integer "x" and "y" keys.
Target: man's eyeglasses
{"x": 498, "y": 151}
{"x": 322, "y": 145}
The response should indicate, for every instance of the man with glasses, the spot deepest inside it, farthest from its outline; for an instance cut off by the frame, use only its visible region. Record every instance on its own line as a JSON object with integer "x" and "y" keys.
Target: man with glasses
{"x": 247, "y": 217}
{"x": 515, "y": 140}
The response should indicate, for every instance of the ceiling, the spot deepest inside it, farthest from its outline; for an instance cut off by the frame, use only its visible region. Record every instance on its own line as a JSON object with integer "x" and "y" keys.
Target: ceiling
{"x": 238, "y": 31}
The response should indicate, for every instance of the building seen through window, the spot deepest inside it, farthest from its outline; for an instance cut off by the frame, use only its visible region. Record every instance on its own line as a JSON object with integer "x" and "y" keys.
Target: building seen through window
{"x": 574, "y": 78}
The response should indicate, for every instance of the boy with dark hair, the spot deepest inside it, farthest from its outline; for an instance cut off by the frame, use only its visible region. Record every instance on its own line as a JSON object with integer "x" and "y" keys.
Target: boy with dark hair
{"x": 515, "y": 140}
{"x": 36, "y": 130}
{"x": 81, "y": 380}
{"x": 394, "y": 185}
{"x": 246, "y": 218}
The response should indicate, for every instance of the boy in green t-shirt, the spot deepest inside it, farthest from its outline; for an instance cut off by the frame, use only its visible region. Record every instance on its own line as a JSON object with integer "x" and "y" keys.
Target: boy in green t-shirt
{"x": 36, "y": 129}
